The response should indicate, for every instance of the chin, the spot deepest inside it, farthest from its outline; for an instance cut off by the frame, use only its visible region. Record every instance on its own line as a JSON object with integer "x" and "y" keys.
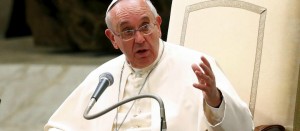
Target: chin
{"x": 144, "y": 63}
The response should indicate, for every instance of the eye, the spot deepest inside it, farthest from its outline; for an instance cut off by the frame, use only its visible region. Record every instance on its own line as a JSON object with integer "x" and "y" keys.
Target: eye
{"x": 127, "y": 32}
{"x": 145, "y": 27}
{"x": 126, "y": 28}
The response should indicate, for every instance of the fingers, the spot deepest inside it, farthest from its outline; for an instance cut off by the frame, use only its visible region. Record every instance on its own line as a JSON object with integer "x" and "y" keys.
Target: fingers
{"x": 206, "y": 82}
{"x": 205, "y": 61}
{"x": 196, "y": 68}
{"x": 207, "y": 71}
{"x": 204, "y": 75}
{"x": 205, "y": 66}
{"x": 200, "y": 86}
{"x": 198, "y": 72}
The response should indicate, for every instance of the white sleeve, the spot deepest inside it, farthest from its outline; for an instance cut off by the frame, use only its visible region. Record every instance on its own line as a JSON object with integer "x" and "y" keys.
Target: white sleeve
{"x": 214, "y": 115}
{"x": 236, "y": 114}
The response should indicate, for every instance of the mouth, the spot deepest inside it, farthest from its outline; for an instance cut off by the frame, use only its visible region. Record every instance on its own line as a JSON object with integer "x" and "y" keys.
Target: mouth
{"x": 142, "y": 53}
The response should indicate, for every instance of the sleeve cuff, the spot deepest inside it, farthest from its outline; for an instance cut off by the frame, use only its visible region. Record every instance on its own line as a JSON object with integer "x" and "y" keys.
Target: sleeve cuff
{"x": 214, "y": 115}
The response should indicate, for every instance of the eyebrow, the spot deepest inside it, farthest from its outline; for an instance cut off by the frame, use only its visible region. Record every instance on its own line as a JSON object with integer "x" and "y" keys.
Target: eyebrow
{"x": 123, "y": 23}
{"x": 143, "y": 19}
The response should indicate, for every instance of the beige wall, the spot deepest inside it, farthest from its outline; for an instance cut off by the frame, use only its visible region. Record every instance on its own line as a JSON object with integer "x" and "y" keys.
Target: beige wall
{"x": 252, "y": 52}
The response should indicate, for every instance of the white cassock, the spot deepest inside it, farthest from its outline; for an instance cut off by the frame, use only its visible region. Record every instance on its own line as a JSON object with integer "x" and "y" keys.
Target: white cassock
{"x": 172, "y": 79}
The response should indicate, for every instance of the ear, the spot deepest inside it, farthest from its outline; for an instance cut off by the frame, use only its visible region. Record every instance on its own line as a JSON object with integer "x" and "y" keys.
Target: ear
{"x": 109, "y": 34}
{"x": 159, "y": 21}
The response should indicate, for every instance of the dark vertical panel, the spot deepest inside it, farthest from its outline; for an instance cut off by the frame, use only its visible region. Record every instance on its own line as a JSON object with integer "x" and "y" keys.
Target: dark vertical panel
{"x": 164, "y": 9}
{"x": 17, "y": 24}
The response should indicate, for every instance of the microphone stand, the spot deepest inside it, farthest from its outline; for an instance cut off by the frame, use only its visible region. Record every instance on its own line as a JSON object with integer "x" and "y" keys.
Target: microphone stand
{"x": 163, "y": 123}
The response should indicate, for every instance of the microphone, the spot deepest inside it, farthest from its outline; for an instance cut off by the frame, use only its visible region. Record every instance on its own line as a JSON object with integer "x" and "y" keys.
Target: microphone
{"x": 105, "y": 80}
{"x": 163, "y": 122}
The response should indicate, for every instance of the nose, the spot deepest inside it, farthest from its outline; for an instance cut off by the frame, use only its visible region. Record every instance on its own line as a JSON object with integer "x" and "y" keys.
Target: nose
{"x": 139, "y": 37}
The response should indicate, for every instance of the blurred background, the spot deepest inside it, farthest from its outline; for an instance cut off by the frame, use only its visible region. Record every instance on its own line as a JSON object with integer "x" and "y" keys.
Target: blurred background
{"x": 47, "y": 47}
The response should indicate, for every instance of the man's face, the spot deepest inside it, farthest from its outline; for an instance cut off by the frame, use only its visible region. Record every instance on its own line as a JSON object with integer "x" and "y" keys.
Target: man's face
{"x": 141, "y": 50}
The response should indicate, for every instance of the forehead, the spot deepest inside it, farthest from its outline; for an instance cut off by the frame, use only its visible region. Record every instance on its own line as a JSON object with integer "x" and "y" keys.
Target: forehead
{"x": 130, "y": 11}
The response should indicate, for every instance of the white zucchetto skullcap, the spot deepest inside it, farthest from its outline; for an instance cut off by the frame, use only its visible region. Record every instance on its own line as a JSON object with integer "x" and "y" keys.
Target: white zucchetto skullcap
{"x": 111, "y": 5}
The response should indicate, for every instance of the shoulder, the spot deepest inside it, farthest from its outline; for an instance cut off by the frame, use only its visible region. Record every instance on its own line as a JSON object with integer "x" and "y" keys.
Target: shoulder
{"x": 113, "y": 63}
{"x": 112, "y": 66}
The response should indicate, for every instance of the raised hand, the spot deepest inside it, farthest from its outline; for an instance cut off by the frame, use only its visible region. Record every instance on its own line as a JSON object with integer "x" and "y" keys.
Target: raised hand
{"x": 207, "y": 83}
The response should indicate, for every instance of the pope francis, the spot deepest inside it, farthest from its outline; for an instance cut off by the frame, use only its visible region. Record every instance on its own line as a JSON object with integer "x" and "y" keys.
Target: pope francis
{"x": 196, "y": 94}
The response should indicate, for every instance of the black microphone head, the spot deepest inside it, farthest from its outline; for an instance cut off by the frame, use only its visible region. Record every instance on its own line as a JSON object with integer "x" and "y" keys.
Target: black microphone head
{"x": 107, "y": 76}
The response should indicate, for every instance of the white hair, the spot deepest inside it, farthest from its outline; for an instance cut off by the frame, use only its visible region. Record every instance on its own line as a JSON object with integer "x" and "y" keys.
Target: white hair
{"x": 108, "y": 15}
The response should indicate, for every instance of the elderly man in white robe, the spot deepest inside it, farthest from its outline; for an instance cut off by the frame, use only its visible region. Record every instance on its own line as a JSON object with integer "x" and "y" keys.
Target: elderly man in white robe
{"x": 196, "y": 94}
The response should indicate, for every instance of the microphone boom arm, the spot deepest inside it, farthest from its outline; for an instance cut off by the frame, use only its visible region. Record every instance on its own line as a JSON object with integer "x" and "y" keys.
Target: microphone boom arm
{"x": 157, "y": 98}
